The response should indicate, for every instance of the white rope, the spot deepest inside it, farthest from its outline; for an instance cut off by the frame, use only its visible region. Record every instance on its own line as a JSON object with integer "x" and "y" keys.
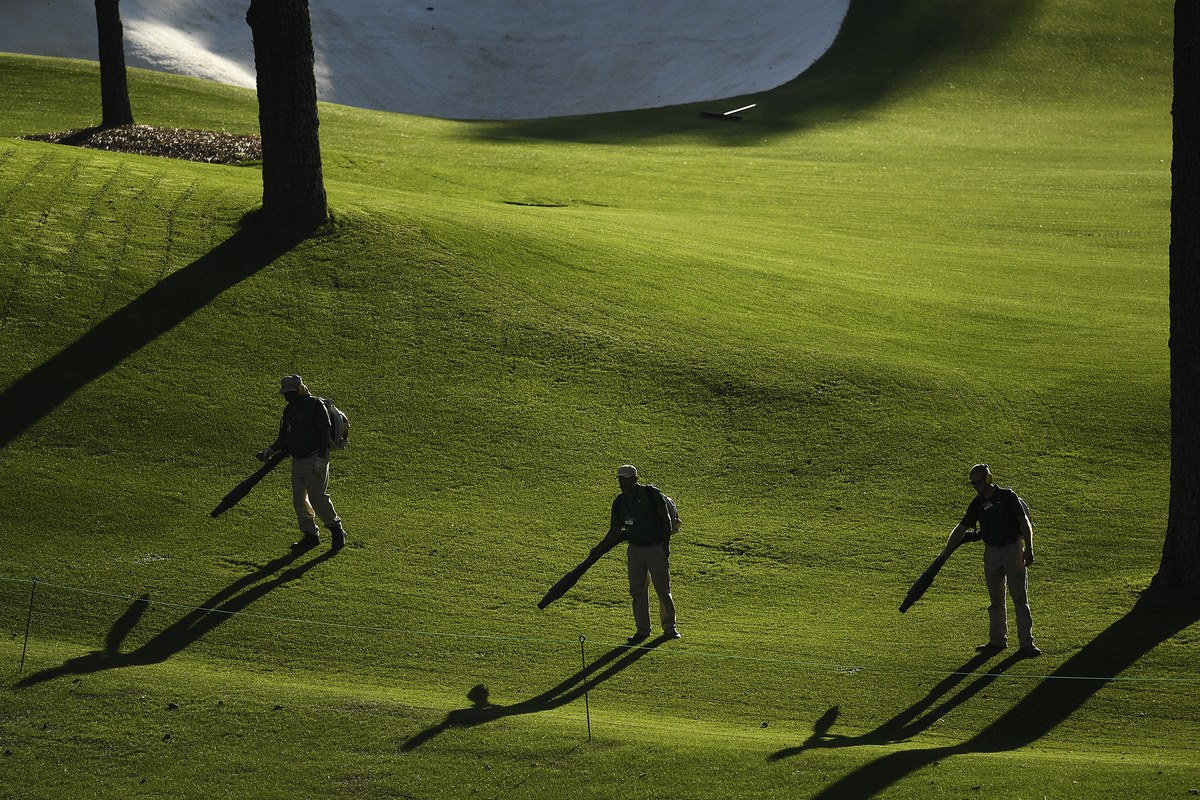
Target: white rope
{"x": 819, "y": 665}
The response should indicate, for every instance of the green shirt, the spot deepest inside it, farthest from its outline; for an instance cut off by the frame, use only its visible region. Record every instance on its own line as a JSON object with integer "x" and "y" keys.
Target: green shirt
{"x": 638, "y": 516}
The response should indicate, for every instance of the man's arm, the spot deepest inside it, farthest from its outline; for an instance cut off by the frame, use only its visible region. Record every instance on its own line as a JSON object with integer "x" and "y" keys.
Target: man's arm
{"x": 324, "y": 430}
{"x": 1027, "y": 534}
{"x": 964, "y": 527}
{"x": 956, "y": 537}
{"x": 279, "y": 443}
{"x": 614, "y": 530}
{"x": 664, "y": 519}
{"x": 610, "y": 539}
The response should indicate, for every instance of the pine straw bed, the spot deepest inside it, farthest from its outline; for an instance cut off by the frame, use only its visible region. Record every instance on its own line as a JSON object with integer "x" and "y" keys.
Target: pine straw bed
{"x": 210, "y": 147}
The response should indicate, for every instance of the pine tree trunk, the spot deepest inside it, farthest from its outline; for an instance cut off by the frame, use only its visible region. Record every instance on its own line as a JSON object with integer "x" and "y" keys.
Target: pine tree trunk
{"x": 1178, "y": 577}
{"x": 293, "y": 186}
{"x": 114, "y": 89}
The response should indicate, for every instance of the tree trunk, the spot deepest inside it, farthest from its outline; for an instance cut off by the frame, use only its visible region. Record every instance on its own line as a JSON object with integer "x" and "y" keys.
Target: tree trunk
{"x": 114, "y": 90}
{"x": 293, "y": 187}
{"x": 1178, "y": 578}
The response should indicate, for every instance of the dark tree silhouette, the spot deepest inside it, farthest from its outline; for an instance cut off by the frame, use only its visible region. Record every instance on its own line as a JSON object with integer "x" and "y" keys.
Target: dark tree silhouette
{"x": 1178, "y": 578}
{"x": 114, "y": 89}
{"x": 293, "y": 187}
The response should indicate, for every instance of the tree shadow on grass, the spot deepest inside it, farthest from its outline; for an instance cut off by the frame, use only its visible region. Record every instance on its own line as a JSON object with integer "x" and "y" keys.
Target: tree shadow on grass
{"x": 173, "y": 639}
{"x": 482, "y": 710}
{"x": 165, "y": 305}
{"x": 1051, "y": 702}
{"x": 882, "y": 49}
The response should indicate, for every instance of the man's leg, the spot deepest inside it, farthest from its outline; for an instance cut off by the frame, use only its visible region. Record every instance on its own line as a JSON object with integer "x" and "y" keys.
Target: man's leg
{"x": 636, "y": 563}
{"x": 305, "y": 518}
{"x": 1018, "y": 588}
{"x": 660, "y": 576}
{"x": 993, "y": 576}
{"x": 318, "y": 494}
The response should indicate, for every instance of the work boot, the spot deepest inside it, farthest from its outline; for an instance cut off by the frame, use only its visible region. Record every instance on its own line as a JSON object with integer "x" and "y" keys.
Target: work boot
{"x": 306, "y": 542}
{"x": 339, "y": 537}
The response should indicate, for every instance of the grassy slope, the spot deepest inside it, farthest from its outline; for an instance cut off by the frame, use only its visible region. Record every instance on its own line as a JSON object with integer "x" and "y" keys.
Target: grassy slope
{"x": 781, "y": 321}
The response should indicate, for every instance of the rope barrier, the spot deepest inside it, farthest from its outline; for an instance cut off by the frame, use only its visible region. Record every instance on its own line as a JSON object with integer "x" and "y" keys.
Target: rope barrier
{"x": 843, "y": 668}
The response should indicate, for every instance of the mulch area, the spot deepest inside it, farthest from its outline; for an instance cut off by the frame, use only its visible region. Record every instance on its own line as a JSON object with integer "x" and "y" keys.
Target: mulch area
{"x": 210, "y": 147}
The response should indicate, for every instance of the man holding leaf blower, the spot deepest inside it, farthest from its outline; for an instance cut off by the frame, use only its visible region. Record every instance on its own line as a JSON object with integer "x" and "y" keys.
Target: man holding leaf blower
{"x": 1007, "y": 534}
{"x": 639, "y": 515}
{"x": 306, "y": 432}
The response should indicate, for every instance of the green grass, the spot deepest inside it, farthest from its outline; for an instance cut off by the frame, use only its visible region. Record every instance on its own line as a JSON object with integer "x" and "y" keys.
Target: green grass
{"x": 805, "y": 326}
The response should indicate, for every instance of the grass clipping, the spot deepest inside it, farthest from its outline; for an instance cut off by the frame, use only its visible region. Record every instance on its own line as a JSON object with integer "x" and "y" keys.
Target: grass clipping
{"x": 210, "y": 147}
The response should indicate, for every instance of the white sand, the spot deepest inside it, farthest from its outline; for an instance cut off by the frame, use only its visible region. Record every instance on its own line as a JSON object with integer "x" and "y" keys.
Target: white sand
{"x": 470, "y": 59}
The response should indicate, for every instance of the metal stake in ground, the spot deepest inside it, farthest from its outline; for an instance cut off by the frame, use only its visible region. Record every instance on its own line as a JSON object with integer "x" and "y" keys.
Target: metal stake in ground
{"x": 28, "y": 621}
{"x": 587, "y": 709}
{"x": 731, "y": 114}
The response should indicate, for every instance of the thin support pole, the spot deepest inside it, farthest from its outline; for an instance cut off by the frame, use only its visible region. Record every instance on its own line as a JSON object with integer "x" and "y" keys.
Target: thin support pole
{"x": 28, "y": 621}
{"x": 586, "y": 705}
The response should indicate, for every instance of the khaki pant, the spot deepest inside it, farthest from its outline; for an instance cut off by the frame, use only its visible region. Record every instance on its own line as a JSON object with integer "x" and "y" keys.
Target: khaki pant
{"x": 310, "y": 494}
{"x": 650, "y": 565}
{"x": 1001, "y": 566}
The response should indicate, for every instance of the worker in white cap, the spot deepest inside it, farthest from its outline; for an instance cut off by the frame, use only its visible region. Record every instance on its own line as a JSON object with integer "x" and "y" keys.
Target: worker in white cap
{"x": 639, "y": 515}
{"x": 307, "y": 434}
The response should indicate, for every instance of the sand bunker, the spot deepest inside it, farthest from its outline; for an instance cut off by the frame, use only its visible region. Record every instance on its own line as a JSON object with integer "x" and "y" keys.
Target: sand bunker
{"x": 470, "y": 59}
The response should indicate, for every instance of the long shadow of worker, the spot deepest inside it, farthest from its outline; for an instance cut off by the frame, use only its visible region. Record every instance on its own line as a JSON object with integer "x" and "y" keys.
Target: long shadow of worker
{"x": 1052, "y": 701}
{"x": 482, "y": 710}
{"x": 915, "y": 719}
{"x": 235, "y": 597}
{"x": 159, "y": 309}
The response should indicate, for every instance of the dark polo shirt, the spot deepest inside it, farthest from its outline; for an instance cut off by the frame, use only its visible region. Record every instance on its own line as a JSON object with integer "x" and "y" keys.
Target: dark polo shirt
{"x": 998, "y": 517}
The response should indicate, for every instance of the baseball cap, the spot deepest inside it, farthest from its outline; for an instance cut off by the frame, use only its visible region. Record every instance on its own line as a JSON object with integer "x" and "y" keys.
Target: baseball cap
{"x": 627, "y": 471}
{"x": 290, "y": 383}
